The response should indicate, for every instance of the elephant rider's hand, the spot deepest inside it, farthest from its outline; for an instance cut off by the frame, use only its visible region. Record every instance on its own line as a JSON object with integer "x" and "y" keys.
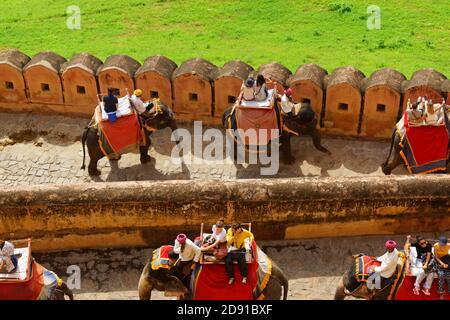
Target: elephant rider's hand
{"x": 445, "y": 265}
{"x": 425, "y": 267}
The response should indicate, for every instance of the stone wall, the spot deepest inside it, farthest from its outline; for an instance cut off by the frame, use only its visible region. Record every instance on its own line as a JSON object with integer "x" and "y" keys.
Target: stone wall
{"x": 129, "y": 214}
{"x": 340, "y": 100}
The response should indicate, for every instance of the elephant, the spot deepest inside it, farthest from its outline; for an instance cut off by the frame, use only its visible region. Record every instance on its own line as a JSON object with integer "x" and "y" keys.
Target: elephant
{"x": 396, "y": 140}
{"x": 350, "y": 286}
{"x": 302, "y": 122}
{"x": 62, "y": 291}
{"x": 278, "y": 286}
{"x": 153, "y": 120}
{"x": 276, "y": 289}
{"x": 167, "y": 282}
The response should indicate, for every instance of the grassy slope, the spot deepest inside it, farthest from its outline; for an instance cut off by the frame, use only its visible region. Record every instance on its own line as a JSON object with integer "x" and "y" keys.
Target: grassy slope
{"x": 414, "y": 33}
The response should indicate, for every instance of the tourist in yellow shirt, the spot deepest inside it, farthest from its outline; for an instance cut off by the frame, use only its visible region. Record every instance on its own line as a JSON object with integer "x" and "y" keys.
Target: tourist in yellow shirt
{"x": 238, "y": 241}
{"x": 441, "y": 250}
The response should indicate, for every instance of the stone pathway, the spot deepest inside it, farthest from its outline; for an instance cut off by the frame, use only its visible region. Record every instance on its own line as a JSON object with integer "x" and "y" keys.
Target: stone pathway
{"x": 37, "y": 149}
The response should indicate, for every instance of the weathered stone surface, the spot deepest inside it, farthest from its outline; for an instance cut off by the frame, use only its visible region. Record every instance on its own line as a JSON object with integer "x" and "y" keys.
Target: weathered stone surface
{"x": 140, "y": 213}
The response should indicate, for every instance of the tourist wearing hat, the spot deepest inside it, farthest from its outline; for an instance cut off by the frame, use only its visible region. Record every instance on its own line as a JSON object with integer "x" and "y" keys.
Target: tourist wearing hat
{"x": 388, "y": 261}
{"x": 187, "y": 250}
{"x": 248, "y": 89}
{"x": 137, "y": 101}
{"x": 441, "y": 249}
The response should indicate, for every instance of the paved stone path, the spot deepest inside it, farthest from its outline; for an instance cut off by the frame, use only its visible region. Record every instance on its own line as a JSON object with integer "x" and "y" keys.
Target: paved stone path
{"x": 37, "y": 149}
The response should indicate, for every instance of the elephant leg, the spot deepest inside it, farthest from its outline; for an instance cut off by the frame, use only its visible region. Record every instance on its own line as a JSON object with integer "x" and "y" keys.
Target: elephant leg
{"x": 95, "y": 153}
{"x": 286, "y": 153}
{"x": 144, "y": 154}
{"x": 145, "y": 288}
{"x": 317, "y": 142}
{"x": 387, "y": 169}
{"x": 340, "y": 290}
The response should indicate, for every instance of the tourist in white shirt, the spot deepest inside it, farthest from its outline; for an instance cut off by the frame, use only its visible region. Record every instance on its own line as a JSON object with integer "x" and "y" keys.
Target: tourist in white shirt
{"x": 7, "y": 256}
{"x": 137, "y": 102}
{"x": 388, "y": 261}
{"x": 218, "y": 236}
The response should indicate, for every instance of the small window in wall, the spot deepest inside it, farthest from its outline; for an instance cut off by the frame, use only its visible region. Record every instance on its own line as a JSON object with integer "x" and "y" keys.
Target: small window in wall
{"x": 154, "y": 94}
{"x": 9, "y": 85}
{"x": 45, "y": 87}
{"x": 381, "y": 107}
{"x": 343, "y": 106}
{"x": 231, "y": 99}
{"x": 308, "y": 101}
{"x": 81, "y": 90}
{"x": 193, "y": 97}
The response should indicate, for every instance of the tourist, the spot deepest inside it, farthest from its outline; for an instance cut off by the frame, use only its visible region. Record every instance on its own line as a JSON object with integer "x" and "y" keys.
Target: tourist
{"x": 7, "y": 257}
{"x": 217, "y": 240}
{"x": 239, "y": 242}
{"x": 248, "y": 89}
{"x": 441, "y": 249}
{"x": 424, "y": 261}
{"x": 261, "y": 92}
{"x": 110, "y": 102}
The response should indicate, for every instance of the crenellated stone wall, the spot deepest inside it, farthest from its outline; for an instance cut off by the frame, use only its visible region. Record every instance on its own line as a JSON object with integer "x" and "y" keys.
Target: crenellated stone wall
{"x": 346, "y": 101}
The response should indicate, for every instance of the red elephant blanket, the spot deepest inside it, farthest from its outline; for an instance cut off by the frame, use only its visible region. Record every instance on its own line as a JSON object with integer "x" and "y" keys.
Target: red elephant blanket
{"x": 210, "y": 281}
{"x": 119, "y": 137}
{"x": 425, "y": 148}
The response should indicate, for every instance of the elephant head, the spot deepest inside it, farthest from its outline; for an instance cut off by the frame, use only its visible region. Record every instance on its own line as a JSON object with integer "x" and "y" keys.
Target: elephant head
{"x": 159, "y": 117}
{"x": 175, "y": 288}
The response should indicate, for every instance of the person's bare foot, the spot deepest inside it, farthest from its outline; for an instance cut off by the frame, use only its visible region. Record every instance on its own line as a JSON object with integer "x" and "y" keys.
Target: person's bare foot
{"x": 244, "y": 280}
{"x": 230, "y": 282}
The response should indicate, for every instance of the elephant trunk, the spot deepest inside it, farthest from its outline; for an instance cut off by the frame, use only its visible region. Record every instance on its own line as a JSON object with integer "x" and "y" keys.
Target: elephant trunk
{"x": 173, "y": 126}
{"x": 83, "y": 142}
{"x": 340, "y": 291}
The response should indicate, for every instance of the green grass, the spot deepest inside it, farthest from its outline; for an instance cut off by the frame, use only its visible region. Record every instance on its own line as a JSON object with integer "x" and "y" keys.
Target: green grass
{"x": 414, "y": 33}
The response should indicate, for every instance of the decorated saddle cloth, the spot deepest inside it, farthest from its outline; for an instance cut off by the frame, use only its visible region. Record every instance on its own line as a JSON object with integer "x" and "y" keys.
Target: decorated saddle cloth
{"x": 210, "y": 281}
{"x": 362, "y": 266}
{"x": 424, "y": 149}
{"x": 160, "y": 258}
{"x": 256, "y": 126}
{"x": 122, "y": 136}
